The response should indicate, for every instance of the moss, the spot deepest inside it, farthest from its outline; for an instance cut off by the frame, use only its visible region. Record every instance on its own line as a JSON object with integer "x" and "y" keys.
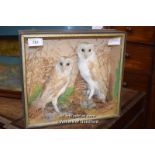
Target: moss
{"x": 36, "y": 91}
{"x": 117, "y": 79}
{"x": 63, "y": 98}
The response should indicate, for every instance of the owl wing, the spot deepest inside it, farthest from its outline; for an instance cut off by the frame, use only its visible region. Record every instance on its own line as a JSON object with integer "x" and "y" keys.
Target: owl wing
{"x": 96, "y": 74}
{"x": 59, "y": 85}
{"x": 53, "y": 84}
{"x": 94, "y": 70}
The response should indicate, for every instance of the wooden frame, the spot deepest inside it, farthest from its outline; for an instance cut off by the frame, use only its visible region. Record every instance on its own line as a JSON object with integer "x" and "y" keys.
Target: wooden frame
{"x": 89, "y": 36}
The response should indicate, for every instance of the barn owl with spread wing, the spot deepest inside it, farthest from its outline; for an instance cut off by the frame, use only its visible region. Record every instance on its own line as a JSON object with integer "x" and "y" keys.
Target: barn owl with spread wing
{"x": 90, "y": 71}
{"x": 56, "y": 84}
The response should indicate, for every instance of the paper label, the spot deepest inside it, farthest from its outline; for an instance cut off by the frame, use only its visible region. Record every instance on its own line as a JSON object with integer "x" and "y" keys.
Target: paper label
{"x": 97, "y": 27}
{"x": 35, "y": 42}
{"x": 114, "y": 41}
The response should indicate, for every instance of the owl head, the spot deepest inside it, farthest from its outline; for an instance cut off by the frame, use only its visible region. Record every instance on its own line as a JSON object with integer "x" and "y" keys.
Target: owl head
{"x": 85, "y": 50}
{"x": 64, "y": 65}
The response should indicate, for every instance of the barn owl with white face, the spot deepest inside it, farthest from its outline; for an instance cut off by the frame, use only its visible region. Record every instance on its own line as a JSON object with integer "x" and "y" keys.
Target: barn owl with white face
{"x": 90, "y": 71}
{"x": 56, "y": 84}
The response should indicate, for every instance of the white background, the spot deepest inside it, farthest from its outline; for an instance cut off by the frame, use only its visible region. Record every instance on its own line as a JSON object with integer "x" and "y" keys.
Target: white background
{"x": 77, "y": 13}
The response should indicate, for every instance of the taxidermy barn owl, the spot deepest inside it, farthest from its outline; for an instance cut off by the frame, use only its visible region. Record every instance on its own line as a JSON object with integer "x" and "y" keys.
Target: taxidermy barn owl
{"x": 89, "y": 68}
{"x": 56, "y": 84}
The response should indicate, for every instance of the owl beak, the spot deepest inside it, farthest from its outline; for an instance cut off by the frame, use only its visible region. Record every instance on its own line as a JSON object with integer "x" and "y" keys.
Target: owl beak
{"x": 85, "y": 56}
{"x": 63, "y": 68}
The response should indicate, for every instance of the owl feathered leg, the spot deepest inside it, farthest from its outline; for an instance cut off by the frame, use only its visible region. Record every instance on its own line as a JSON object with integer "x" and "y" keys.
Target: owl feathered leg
{"x": 88, "y": 90}
{"x": 92, "y": 91}
{"x": 55, "y": 105}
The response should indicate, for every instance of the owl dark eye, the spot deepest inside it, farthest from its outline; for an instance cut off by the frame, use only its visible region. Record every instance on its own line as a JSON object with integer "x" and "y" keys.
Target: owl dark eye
{"x": 82, "y": 50}
{"x": 61, "y": 63}
{"x": 68, "y": 64}
{"x": 89, "y": 50}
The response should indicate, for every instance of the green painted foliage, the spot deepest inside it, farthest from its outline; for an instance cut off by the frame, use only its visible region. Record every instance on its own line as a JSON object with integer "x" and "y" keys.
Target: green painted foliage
{"x": 63, "y": 98}
{"x": 117, "y": 79}
{"x": 36, "y": 91}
